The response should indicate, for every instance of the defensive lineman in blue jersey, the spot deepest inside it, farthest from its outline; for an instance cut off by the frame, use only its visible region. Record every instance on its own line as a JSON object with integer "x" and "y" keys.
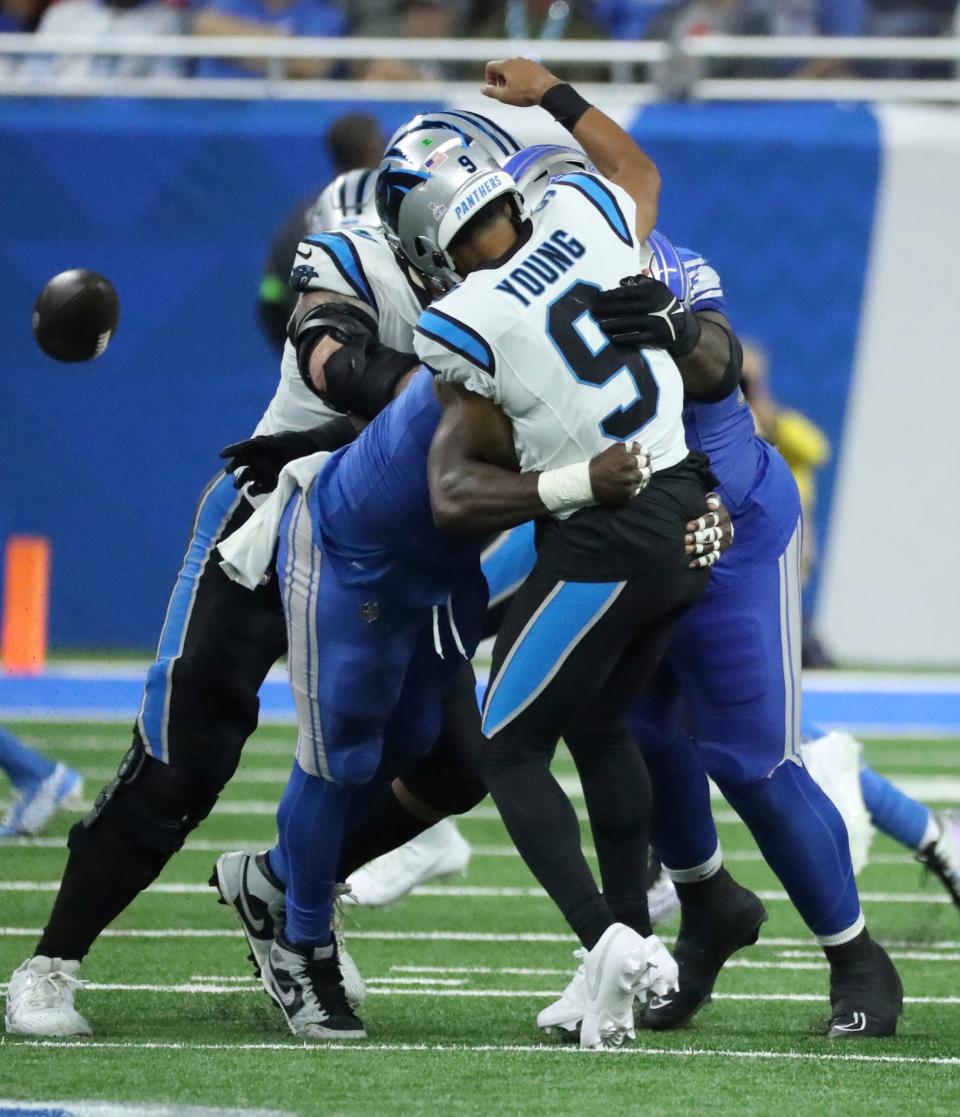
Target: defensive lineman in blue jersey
{"x": 731, "y": 677}
{"x": 382, "y": 613}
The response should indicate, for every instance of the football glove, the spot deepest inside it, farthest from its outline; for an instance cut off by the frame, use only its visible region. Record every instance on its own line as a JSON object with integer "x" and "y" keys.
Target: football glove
{"x": 257, "y": 462}
{"x": 644, "y": 313}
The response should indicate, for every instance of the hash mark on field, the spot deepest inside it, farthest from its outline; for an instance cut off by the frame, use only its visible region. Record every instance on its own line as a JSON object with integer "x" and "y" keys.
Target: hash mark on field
{"x": 484, "y": 1048}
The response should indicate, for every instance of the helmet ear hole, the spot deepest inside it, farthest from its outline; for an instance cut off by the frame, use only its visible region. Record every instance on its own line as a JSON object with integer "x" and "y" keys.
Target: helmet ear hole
{"x": 420, "y": 246}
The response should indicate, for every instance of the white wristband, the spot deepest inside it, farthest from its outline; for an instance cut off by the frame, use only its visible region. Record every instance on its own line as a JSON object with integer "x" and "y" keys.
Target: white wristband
{"x": 566, "y": 489}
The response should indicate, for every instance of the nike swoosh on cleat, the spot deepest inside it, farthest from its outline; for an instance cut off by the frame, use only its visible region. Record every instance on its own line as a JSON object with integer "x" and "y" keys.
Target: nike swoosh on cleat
{"x": 858, "y": 1024}
{"x": 659, "y": 1002}
{"x": 255, "y": 924}
{"x": 287, "y": 996}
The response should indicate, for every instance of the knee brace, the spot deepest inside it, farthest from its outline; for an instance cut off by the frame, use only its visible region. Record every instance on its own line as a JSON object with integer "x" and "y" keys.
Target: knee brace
{"x": 155, "y": 805}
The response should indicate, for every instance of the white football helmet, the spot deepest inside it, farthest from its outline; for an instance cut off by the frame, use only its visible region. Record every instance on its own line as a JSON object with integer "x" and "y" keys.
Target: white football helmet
{"x": 347, "y": 202}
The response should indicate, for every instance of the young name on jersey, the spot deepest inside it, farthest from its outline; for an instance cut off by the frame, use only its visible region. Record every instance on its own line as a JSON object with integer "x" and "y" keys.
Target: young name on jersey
{"x": 522, "y": 334}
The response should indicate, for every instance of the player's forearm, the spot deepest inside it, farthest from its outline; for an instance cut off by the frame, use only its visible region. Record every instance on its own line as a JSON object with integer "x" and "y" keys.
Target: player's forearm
{"x": 523, "y": 82}
{"x": 702, "y": 370}
{"x": 476, "y": 498}
{"x": 620, "y": 159}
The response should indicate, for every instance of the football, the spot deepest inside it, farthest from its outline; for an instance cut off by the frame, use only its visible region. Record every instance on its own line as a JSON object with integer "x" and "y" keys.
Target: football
{"x": 76, "y": 315}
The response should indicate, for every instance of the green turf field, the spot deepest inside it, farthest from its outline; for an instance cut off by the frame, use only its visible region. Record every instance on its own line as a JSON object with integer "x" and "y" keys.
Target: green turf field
{"x": 457, "y": 974}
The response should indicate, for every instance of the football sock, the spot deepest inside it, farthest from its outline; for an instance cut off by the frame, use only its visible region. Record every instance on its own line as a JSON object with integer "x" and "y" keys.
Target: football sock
{"x": 543, "y": 825}
{"x": 105, "y": 872}
{"x": 310, "y": 820}
{"x": 705, "y": 892}
{"x": 803, "y": 839}
{"x": 614, "y": 778}
{"x": 277, "y": 864}
{"x": 894, "y": 813}
{"x": 697, "y": 874}
{"x": 682, "y": 829}
{"x": 857, "y": 949}
{"x": 23, "y": 765}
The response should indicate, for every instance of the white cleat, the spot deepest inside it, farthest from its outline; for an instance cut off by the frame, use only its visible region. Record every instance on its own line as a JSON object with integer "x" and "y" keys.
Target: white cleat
{"x": 40, "y": 999}
{"x": 622, "y": 966}
{"x": 33, "y": 809}
{"x": 566, "y": 1013}
{"x": 438, "y": 852}
{"x": 662, "y": 975}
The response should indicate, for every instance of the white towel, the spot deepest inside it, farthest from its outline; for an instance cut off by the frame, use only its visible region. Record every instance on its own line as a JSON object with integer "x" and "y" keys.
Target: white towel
{"x": 247, "y": 553}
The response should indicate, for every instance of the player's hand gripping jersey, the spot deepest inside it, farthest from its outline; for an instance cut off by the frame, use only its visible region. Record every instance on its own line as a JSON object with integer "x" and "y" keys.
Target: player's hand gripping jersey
{"x": 359, "y": 264}
{"x": 520, "y": 332}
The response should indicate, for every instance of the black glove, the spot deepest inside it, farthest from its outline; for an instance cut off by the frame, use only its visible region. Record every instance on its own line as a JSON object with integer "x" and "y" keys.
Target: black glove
{"x": 258, "y": 461}
{"x": 643, "y": 312}
{"x": 362, "y": 378}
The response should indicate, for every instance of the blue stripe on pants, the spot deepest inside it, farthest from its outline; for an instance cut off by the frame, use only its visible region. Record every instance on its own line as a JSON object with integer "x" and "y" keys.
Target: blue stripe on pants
{"x": 568, "y": 612}
{"x": 216, "y": 506}
{"x": 508, "y": 560}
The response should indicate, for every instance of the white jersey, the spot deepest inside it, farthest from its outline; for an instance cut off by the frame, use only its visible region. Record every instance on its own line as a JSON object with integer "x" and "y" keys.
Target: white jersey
{"x": 521, "y": 333}
{"x": 360, "y": 264}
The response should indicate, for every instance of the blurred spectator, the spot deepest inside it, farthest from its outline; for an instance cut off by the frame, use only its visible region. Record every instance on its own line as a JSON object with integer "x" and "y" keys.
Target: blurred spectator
{"x": 535, "y": 19}
{"x": 806, "y": 450}
{"x": 912, "y": 17}
{"x": 626, "y": 19}
{"x": 354, "y": 140}
{"x": 763, "y": 17}
{"x": 411, "y": 19}
{"x": 547, "y": 20}
{"x": 268, "y": 19}
{"x": 103, "y": 18}
{"x": 21, "y": 15}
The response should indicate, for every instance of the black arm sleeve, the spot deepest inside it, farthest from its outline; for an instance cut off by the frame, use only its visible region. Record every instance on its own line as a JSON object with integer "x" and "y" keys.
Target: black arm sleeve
{"x": 730, "y": 380}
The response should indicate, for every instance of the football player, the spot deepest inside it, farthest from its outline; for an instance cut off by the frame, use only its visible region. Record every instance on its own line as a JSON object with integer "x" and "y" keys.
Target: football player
{"x": 743, "y": 735}
{"x": 383, "y": 612}
{"x": 217, "y": 644}
{"x": 41, "y": 786}
{"x": 529, "y": 379}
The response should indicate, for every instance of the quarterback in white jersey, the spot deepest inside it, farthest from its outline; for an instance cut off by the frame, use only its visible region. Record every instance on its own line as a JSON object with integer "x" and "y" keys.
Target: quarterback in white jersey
{"x": 531, "y": 389}
{"x": 570, "y": 399}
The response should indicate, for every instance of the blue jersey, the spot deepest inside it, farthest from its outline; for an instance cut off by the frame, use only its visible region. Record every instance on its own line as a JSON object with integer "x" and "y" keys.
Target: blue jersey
{"x": 371, "y": 503}
{"x": 755, "y": 482}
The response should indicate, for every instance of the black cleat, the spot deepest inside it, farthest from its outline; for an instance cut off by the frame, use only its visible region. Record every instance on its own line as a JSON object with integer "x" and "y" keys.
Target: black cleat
{"x": 311, "y": 993}
{"x": 866, "y": 997}
{"x": 707, "y": 938}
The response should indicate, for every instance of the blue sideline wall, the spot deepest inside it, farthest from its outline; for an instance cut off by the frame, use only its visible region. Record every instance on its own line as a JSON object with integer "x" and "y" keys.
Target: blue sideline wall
{"x": 176, "y": 202}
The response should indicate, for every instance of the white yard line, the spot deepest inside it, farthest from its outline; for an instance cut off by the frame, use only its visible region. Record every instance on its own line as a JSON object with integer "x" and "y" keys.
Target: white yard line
{"x": 505, "y": 1048}
{"x": 203, "y": 989}
{"x": 431, "y": 936}
{"x": 221, "y": 845}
